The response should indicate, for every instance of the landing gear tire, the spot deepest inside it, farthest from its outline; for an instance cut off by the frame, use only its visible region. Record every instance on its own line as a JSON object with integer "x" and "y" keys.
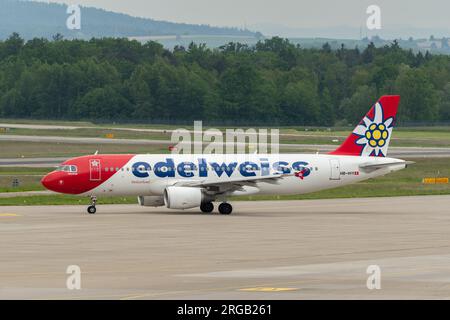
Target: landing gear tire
{"x": 207, "y": 207}
{"x": 91, "y": 209}
{"x": 225, "y": 208}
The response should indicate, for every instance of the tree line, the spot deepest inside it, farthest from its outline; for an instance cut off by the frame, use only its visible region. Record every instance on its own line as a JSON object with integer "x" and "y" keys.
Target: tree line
{"x": 272, "y": 82}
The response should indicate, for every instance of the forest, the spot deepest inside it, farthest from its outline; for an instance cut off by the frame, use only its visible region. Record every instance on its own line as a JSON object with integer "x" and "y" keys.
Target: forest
{"x": 273, "y": 82}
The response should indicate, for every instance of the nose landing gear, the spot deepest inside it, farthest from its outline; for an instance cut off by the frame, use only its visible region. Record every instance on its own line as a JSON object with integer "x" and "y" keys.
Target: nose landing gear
{"x": 91, "y": 209}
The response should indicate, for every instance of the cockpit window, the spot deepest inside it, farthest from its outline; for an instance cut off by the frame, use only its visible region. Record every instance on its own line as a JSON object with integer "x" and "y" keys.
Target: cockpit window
{"x": 71, "y": 169}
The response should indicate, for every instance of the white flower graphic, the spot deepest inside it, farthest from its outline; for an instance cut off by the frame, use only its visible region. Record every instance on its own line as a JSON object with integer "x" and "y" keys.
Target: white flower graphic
{"x": 374, "y": 134}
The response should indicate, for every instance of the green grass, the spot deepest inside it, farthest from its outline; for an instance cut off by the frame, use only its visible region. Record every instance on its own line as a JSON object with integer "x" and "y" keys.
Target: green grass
{"x": 26, "y": 184}
{"x": 28, "y": 178}
{"x": 403, "y": 136}
{"x": 62, "y": 200}
{"x": 406, "y": 182}
{"x": 46, "y": 122}
{"x": 19, "y": 149}
{"x": 90, "y": 133}
{"x": 90, "y": 124}
{"x": 23, "y": 171}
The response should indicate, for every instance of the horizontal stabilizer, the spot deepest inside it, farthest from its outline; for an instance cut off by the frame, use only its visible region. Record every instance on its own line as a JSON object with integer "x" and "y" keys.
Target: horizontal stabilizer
{"x": 375, "y": 166}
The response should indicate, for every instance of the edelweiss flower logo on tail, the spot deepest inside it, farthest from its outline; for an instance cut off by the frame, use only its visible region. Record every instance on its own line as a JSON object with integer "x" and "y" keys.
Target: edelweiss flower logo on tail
{"x": 374, "y": 134}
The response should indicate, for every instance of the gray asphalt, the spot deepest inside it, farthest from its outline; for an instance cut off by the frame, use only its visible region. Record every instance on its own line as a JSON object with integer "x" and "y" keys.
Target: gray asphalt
{"x": 264, "y": 250}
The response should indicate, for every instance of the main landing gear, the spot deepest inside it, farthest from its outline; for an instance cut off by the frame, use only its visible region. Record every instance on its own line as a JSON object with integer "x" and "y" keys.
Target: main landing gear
{"x": 224, "y": 208}
{"x": 91, "y": 209}
{"x": 207, "y": 207}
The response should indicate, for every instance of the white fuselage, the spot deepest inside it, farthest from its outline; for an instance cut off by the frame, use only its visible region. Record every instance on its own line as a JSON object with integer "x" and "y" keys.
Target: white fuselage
{"x": 149, "y": 175}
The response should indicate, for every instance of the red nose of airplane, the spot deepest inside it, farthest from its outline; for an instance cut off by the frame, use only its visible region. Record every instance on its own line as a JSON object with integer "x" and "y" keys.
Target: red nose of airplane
{"x": 51, "y": 182}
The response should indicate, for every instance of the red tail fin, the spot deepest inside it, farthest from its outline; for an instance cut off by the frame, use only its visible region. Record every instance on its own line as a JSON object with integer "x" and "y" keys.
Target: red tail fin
{"x": 372, "y": 135}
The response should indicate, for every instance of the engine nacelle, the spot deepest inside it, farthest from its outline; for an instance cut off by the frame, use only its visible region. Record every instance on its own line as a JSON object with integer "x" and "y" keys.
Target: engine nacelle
{"x": 151, "y": 201}
{"x": 183, "y": 197}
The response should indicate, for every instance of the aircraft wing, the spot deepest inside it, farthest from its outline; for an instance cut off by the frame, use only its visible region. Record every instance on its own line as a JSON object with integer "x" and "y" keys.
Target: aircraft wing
{"x": 233, "y": 184}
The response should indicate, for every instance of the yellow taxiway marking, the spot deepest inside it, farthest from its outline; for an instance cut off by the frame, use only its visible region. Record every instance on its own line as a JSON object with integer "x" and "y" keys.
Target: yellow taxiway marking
{"x": 268, "y": 289}
{"x": 144, "y": 295}
{"x": 9, "y": 215}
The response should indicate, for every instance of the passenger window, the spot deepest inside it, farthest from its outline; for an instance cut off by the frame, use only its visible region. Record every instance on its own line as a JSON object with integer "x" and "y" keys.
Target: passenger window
{"x": 106, "y": 169}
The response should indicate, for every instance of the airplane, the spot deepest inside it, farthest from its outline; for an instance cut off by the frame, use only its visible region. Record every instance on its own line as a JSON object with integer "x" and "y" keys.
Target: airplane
{"x": 187, "y": 181}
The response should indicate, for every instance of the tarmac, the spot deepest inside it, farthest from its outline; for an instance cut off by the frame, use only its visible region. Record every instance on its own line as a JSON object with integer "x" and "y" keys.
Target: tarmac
{"x": 311, "y": 249}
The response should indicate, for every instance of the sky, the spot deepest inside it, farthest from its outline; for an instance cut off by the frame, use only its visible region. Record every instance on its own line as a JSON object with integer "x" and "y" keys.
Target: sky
{"x": 288, "y": 16}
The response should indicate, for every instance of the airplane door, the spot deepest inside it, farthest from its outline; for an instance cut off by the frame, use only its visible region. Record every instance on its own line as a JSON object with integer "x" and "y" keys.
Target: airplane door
{"x": 95, "y": 170}
{"x": 335, "y": 169}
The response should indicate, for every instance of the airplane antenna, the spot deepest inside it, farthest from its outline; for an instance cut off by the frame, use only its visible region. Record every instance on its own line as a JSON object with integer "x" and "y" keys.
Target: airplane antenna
{"x": 96, "y": 153}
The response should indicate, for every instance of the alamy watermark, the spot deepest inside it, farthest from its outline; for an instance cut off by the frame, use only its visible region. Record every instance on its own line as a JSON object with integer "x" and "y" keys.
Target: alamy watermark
{"x": 374, "y": 279}
{"x": 374, "y": 20}
{"x": 231, "y": 141}
{"x": 73, "y": 22}
{"x": 73, "y": 281}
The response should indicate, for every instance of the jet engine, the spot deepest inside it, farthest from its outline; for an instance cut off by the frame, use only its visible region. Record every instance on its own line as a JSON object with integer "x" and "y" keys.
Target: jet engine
{"x": 183, "y": 197}
{"x": 151, "y": 201}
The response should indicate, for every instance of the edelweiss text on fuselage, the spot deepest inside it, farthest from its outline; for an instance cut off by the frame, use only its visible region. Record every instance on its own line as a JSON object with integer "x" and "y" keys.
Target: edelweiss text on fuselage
{"x": 168, "y": 168}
